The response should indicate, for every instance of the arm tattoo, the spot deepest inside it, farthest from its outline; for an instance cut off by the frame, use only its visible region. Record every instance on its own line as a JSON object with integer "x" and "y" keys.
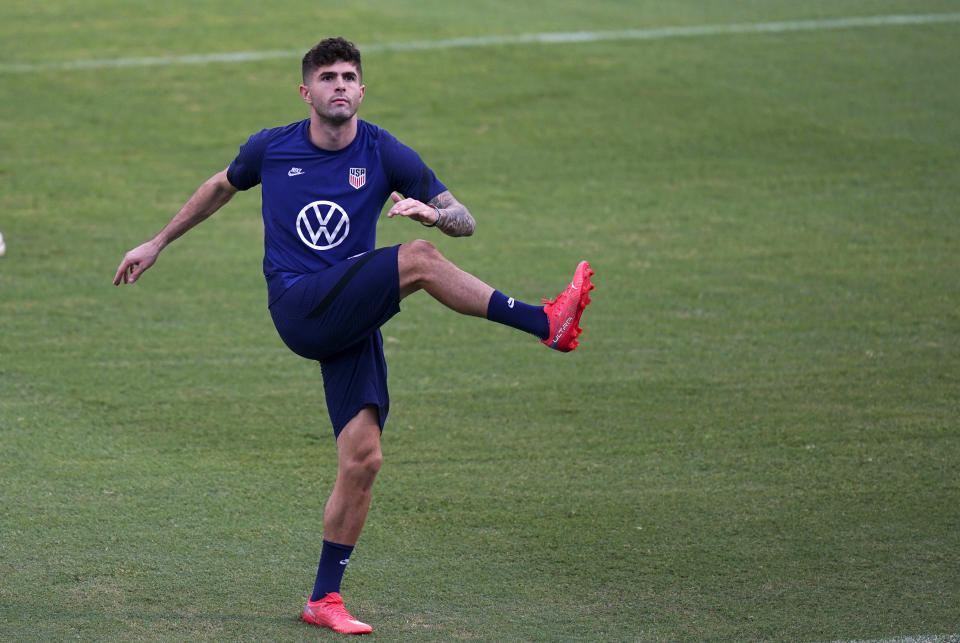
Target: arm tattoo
{"x": 456, "y": 220}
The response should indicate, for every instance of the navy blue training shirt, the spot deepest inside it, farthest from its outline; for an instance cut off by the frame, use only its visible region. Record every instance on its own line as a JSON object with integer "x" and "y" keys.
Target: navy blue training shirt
{"x": 321, "y": 207}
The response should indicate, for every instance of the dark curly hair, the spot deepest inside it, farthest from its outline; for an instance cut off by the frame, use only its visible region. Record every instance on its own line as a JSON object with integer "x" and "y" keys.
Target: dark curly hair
{"x": 329, "y": 51}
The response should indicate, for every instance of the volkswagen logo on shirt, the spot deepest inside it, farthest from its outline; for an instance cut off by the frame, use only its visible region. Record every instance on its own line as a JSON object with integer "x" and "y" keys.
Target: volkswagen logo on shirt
{"x": 323, "y": 225}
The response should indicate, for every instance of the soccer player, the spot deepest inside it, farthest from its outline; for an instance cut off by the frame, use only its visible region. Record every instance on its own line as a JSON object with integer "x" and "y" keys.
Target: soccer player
{"x": 323, "y": 183}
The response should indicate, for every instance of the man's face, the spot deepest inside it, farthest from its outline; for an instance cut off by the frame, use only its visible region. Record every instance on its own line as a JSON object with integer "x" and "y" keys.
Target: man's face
{"x": 334, "y": 92}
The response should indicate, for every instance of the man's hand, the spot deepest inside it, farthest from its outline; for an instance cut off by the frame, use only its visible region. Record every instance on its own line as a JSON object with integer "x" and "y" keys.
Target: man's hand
{"x": 416, "y": 210}
{"x": 135, "y": 262}
{"x": 449, "y": 215}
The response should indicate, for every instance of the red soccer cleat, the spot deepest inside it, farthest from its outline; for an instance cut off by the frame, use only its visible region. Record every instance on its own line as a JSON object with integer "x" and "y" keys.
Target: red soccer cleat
{"x": 565, "y": 309}
{"x": 330, "y": 612}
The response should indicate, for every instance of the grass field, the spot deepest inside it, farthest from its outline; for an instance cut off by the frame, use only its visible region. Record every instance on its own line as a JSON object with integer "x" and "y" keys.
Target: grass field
{"x": 757, "y": 440}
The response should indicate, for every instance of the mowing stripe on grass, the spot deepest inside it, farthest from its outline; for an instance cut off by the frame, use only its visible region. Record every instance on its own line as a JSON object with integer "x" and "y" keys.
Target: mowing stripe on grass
{"x": 488, "y": 41}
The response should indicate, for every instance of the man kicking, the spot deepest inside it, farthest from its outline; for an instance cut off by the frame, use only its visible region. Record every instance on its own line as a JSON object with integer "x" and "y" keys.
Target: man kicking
{"x": 324, "y": 181}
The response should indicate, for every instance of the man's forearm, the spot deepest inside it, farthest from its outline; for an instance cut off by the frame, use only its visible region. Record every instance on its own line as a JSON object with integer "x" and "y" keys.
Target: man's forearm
{"x": 453, "y": 217}
{"x": 212, "y": 195}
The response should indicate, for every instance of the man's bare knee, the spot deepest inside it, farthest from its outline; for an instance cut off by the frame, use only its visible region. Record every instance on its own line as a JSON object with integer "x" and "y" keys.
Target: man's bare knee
{"x": 358, "y": 445}
{"x": 420, "y": 251}
{"x": 418, "y": 261}
{"x": 359, "y": 469}
{"x": 364, "y": 468}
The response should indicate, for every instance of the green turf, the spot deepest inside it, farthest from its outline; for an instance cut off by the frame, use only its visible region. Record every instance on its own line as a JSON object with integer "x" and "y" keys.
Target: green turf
{"x": 757, "y": 440}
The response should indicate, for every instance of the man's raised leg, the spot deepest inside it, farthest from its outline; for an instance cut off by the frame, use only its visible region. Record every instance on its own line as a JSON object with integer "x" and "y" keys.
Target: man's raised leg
{"x": 422, "y": 267}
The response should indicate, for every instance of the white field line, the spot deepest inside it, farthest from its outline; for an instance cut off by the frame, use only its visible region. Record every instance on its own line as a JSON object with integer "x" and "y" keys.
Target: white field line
{"x": 488, "y": 41}
{"x": 931, "y": 638}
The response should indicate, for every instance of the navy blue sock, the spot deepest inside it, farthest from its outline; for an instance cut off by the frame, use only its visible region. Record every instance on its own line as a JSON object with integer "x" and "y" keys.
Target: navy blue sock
{"x": 333, "y": 562}
{"x": 516, "y": 314}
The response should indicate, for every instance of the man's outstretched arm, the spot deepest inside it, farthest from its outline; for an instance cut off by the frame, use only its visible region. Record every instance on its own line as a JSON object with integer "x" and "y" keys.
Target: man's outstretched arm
{"x": 212, "y": 195}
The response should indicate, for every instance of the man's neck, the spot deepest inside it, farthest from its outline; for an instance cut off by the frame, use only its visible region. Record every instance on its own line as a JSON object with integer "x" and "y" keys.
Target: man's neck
{"x": 332, "y": 136}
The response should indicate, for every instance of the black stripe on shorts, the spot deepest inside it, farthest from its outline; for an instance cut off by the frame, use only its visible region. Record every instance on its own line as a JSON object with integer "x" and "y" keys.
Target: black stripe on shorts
{"x": 340, "y": 285}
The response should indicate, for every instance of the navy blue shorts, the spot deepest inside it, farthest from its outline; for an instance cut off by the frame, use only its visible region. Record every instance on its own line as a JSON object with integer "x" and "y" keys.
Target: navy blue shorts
{"x": 334, "y": 316}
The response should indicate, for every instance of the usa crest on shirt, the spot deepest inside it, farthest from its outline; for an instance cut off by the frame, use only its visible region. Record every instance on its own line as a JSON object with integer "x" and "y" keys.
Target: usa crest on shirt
{"x": 358, "y": 177}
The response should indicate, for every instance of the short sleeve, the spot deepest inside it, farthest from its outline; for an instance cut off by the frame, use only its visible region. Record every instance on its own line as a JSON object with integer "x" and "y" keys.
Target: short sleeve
{"x": 244, "y": 171}
{"x": 406, "y": 171}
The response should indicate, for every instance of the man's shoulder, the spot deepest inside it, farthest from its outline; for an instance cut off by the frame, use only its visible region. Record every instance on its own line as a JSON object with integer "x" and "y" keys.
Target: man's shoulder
{"x": 278, "y": 133}
{"x": 392, "y": 150}
{"x": 245, "y": 170}
{"x": 369, "y": 128}
{"x": 375, "y": 133}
